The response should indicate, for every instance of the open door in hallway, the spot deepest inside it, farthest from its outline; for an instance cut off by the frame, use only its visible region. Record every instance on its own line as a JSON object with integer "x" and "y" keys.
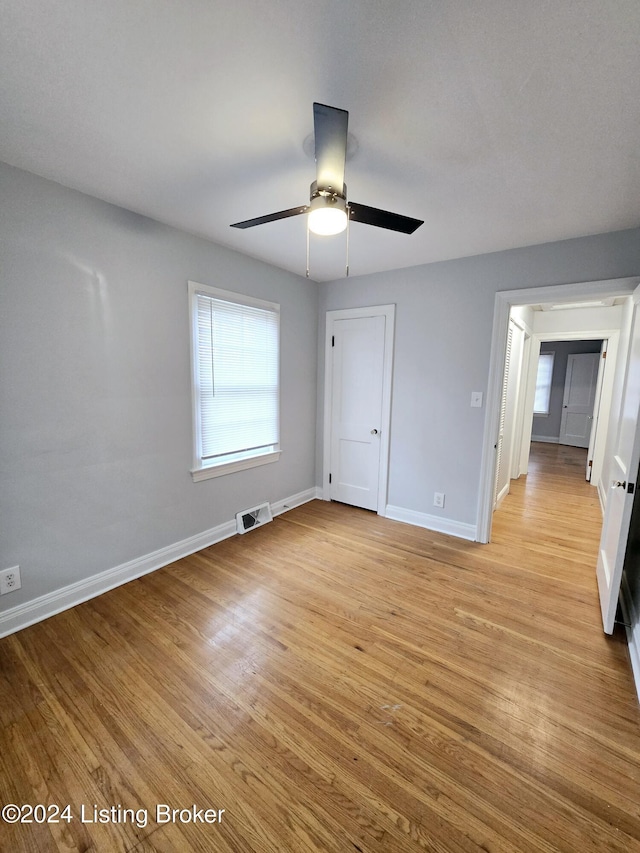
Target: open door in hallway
{"x": 623, "y": 469}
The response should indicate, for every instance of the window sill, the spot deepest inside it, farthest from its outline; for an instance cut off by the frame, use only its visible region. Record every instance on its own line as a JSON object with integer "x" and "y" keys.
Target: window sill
{"x": 209, "y": 471}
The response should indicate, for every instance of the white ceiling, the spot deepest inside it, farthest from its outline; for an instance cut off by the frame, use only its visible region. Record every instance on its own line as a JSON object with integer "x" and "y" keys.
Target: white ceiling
{"x": 501, "y": 123}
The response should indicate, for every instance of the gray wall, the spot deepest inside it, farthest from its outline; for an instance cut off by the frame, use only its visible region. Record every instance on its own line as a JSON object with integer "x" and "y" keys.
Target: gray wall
{"x": 549, "y": 426}
{"x": 95, "y": 407}
{"x": 95, "y": 404}
{"x": 444, "y": 320}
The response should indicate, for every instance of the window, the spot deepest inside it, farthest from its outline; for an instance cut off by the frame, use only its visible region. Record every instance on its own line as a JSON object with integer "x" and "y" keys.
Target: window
{"x": 543, "y": 384}
{"x": 235, "y": 373}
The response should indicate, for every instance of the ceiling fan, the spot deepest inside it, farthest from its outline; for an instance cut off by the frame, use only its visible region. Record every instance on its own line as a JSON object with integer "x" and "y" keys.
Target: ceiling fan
{"x": 328, "y": 208}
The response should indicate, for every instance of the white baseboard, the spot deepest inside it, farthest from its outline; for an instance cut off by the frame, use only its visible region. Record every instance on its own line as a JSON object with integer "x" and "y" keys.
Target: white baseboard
{"x": 503, "y": 493}
{"x": 17, "y": 618}
{"x": 432, "y": 522}
{"x": 312, "y": 494}
{"x": 547, "y": 439}
{"x": 632, "y": 627}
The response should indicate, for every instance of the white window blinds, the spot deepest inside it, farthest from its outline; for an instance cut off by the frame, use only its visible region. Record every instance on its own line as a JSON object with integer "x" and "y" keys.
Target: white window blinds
{"x": 236, "y": 379}
{"x": 543, "y": 384}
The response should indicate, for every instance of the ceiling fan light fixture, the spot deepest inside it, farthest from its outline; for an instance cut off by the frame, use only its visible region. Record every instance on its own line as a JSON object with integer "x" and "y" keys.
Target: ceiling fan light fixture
{"x": 327, "y": 215}
{"x": 328, "y": 211}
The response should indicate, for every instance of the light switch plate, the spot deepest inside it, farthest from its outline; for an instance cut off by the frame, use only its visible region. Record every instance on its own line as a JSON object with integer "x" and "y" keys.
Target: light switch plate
{"x": 476, "y": 399}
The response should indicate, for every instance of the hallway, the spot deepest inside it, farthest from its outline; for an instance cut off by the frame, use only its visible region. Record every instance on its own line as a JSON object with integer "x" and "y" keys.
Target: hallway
{"x": 554, "y": 513}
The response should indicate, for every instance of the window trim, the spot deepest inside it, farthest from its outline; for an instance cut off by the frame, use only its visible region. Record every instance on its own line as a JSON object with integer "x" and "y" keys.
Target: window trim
{"x": 545, "y": 414}
{"x": 202, "y": 470}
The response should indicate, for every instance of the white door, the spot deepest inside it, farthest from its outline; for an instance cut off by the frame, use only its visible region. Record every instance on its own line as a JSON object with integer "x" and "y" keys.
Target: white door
{"x": 623, "y": 469}
{"x": 579, "y": 396}
{"x": 358, "y": 350}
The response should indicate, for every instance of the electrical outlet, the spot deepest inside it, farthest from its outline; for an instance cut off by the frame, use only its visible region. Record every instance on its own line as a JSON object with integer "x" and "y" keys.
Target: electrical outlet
{"x": 438, "y": 499}
{"x": 10, "y": 580}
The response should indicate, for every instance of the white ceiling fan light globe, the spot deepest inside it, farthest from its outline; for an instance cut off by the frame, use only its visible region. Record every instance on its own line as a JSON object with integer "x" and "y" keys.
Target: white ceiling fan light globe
{"x": 327, "y": 221}
{"x": 327, "y": 216}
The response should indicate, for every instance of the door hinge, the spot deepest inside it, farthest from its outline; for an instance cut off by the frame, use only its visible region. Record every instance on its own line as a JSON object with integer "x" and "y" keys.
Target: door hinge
{"x": 604, "y": 354}
{"x": 333, "y": 340}
{"x": 631, "y": 488}
{"x": 329, "y": 477}
{"x": 591, "y": 463}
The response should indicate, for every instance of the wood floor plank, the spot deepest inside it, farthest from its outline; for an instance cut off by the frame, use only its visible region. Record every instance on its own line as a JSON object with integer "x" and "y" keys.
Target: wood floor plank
{"x": 339, "y": 681}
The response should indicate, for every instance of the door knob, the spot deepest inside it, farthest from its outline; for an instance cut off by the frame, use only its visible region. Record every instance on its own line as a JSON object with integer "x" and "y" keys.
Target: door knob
{"x": 619, "y": 485}
{"x": 374, "y": 432}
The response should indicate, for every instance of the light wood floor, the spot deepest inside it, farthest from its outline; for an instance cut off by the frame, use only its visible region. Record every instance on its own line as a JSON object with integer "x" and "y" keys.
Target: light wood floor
{"x": 340, "y": 682}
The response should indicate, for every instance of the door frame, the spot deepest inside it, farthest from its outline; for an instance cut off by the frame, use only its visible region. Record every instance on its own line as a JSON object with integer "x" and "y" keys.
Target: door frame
{"x": 387, "y": 311}
{"x": 513, "y": 426}
{"x": 517, "y": 466}
{"x": 612, "y": 339}
{"x": 504, "y": 302}
{"x": 606, "y": 348}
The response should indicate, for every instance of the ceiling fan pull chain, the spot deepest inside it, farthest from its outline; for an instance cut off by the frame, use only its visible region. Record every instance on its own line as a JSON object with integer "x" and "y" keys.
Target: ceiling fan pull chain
{"x": 307, "y": 247}
{"x": 348, "y": 218}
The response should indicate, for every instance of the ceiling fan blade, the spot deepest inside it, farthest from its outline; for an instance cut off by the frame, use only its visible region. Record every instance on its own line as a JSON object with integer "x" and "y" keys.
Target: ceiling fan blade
{"x": 271, "y": 217}
{"x": 383, "y": 218}
{"x": 330, "y": 129}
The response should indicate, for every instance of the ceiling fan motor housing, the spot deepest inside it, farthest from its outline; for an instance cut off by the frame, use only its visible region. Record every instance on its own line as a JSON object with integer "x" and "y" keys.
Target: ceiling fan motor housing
{"x": 328, "y": 193}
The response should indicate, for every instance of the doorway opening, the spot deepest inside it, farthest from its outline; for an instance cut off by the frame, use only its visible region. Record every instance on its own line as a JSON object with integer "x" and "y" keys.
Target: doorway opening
{"x": 585, "y": 311}
{"x": 567, "y": 406}
{"x": 567, "y": 402}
